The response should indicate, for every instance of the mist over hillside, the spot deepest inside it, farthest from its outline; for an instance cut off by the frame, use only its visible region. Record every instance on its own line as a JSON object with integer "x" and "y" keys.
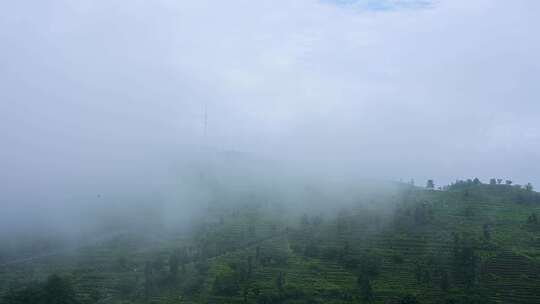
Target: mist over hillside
{"x": 177, "y": 194}
{"x": 269, "y": 151}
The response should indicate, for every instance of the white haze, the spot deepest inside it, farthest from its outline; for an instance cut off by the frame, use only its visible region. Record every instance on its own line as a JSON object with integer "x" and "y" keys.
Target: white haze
{"x": 104, "y": 101}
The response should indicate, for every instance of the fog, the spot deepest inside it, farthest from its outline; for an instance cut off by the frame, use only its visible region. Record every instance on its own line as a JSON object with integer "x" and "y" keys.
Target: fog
{"x": 110, "y": 105}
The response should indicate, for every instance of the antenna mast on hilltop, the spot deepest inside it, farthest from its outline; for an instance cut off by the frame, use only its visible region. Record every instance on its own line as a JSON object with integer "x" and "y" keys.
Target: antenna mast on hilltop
{"x": 204, "y": 117}
{"x": 205, "y": 120}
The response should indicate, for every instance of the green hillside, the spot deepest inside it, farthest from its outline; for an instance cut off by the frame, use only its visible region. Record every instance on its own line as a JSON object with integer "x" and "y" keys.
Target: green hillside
{"x": 467, "y": 243}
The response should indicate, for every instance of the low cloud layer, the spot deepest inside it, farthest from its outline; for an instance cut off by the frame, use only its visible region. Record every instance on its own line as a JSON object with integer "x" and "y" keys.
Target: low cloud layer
{"x": 112, "y": 95}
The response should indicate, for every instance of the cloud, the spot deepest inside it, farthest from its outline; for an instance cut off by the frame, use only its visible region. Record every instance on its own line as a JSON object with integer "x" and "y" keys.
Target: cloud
{"x": 99, "y": 92}
{"x": 384, "y": 5}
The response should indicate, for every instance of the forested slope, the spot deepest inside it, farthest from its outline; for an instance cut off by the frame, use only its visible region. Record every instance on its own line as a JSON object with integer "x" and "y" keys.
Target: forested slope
{"x": 467, "y": 243}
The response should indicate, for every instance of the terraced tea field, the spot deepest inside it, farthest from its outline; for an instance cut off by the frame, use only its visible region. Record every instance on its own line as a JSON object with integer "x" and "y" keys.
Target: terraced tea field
{"x": 455, "y": 246}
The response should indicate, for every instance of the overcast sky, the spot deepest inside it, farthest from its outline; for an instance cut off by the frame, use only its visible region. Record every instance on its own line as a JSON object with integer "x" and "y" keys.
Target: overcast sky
{"x": 96, "y": 92}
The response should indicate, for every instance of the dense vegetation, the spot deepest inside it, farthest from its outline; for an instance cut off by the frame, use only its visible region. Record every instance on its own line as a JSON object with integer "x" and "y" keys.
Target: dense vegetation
{"x": 468, "y": 242}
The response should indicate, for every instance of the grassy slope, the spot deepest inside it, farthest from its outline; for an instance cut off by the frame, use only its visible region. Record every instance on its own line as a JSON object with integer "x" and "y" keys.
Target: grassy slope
{"x": 509, "y": 271}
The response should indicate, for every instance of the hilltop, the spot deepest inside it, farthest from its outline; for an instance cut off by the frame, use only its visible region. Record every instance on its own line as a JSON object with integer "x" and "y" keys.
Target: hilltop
{"x": 466, "y": 243}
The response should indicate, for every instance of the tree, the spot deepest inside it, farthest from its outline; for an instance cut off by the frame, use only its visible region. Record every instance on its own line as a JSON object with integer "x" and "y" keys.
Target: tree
{"x": 350, "y": 262}
{"x": 365, "y": 289}
{"x": 148, "y": 279}
{"x": 418, "y": 271}
{"x": 202, "y": 267}
{"x": 469, "y": 261}
{"x": 529, "y": 187}
{"x": 422, "y": 214}
{"x": 533, "y": 219}
{"x": 408, "y": 299}
{"x": 193, "y": 285}
{"x": 346, "y": 248}
{"x": 317, "y": 220}
{"x": 311, "y": 250}
{"x": 508, "y": 182}
{"x": 280, "y": 281}
{"x": 499, "y": 181}
{"x": 476, "y": 181}
{"x": 121, "y": 262}
{"x": 445, "y": 282}
{"x": 58, "y": 291}
{"x": 492, "y": 181}
{"x": 466, "y": 260}
{"x": 245, "y": 292}
{"x": 226, "y": 283}
{"x": 430, "y": 184}
{"x": 305, "y": 220}
{"x": 257, "y": 252}
{"x": 31, "y": 294}
{"x": 487, "y": 232}
{"x": 250, "y": 265}
{"x": 369, "y": 265}
{"x": 183, "y": 258}
{"x": 173, "y": 265}
{"x": 158, "y": 264}
{"x": 342, "y": 222}
{"x": 251, "y": 230}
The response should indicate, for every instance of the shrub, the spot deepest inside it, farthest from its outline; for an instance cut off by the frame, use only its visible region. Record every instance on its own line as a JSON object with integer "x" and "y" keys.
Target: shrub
{"x": 226, "y": 283}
